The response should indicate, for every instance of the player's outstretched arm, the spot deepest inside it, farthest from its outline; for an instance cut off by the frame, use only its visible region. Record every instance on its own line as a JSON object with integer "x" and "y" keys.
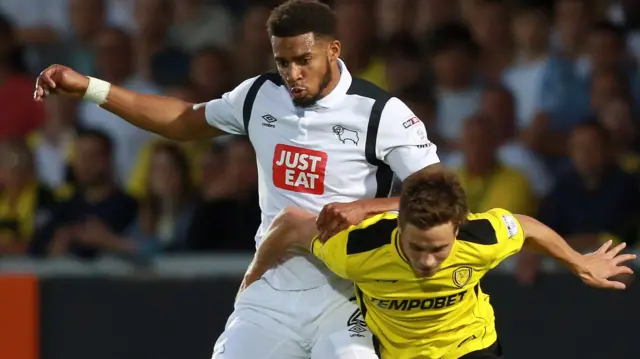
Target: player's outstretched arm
{"x": 292, "y": 227}
{"x": 169, "y": 117}
{"x": 595, "y": 269}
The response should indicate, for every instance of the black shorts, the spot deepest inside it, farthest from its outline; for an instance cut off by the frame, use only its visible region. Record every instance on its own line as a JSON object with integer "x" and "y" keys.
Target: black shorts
{"x": 492, "y": 352}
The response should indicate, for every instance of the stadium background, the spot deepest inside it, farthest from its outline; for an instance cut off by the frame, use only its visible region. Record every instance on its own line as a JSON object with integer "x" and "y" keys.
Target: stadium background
{"x": 116, "y": 244}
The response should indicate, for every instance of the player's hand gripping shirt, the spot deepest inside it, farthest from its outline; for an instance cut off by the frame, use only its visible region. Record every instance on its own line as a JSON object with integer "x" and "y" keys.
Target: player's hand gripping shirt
{"x": 445, "y": 316}
{"x": 345, "y": 148}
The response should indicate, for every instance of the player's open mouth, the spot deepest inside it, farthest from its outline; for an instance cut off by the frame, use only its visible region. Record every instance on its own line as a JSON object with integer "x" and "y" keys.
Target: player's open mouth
{"x": 298, "y": 91}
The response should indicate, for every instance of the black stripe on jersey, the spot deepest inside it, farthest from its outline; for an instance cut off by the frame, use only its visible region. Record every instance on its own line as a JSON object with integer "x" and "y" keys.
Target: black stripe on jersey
{"x": 478, "y": 231}
{"x": 247, "y": 107}
{"x": 363, "y": 310}
{"x": 371, "y": 237}
{"x": 384, "y": 175}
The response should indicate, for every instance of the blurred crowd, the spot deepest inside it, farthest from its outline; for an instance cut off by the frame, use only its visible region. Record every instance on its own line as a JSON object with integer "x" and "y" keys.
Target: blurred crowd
{"x": 534, "y": 103}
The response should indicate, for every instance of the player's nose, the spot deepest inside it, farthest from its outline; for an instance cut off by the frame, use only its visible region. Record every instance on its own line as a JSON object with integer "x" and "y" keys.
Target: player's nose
{"x": 294, "y": 72}
{"x": 429, "y": 261}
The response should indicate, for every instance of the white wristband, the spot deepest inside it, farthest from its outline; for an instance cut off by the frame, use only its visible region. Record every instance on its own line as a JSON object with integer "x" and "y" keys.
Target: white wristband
{"x": 97, "y": 91}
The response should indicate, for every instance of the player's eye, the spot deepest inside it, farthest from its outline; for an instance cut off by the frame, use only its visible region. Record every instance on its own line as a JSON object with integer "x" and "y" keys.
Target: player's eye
{"x": 282, "y": 63}
{"x": 415, "y": 247}
{"x": 305, "y": 61}
{"x": 439, "y": 249}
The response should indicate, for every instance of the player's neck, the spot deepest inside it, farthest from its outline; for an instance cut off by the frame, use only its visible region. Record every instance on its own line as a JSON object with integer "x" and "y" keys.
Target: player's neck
{"x": 336, "y": 73}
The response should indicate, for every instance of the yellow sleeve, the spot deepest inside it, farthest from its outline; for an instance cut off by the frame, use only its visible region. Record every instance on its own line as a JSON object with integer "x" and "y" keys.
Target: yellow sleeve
{"x": 137, "y": 182}
{"x": 509, "y": 235}
{"x": 333, "y": 253}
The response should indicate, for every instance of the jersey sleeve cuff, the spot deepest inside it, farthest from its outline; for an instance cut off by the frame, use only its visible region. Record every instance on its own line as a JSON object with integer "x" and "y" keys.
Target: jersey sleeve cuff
{"x": 316, "y": 247}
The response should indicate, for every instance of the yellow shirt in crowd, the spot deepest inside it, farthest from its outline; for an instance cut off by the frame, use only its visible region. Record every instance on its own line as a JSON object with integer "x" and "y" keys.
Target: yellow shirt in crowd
{"x": 505, "y": 187}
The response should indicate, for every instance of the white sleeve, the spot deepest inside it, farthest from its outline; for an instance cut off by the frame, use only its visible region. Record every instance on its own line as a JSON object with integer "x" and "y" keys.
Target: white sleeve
{"x": 402, "y": 140}
{"x": 225, "y": 113}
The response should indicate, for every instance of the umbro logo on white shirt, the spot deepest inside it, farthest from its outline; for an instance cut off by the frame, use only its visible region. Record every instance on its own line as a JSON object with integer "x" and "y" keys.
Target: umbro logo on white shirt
{"x": 268, "y": 121}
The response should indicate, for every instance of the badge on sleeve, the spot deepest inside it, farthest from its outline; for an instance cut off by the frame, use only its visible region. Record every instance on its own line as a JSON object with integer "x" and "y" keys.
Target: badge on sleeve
{"x": 413, "y": 120}
{"x": 512, "y": 225}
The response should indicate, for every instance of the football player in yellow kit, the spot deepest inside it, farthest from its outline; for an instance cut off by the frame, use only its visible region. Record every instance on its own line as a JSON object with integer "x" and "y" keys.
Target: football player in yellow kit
{"x": 417, "y": 271}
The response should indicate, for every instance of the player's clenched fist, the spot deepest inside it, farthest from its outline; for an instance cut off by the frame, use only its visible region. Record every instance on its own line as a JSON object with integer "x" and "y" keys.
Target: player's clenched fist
{"x": 61, "y": 80}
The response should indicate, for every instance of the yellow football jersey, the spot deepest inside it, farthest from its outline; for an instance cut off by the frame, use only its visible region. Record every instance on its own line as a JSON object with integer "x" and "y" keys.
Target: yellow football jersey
{"x": 445, "y": 316}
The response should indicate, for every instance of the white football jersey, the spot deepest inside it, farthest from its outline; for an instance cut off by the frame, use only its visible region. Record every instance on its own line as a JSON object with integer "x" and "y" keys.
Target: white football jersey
{"x": 344, "y": 148}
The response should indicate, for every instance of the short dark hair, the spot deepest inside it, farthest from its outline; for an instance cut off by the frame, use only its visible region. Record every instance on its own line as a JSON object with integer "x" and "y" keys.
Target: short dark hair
{"x": 610, "y": 28}
{"x": 297, "y": 17}
{"x": 99, "y": 135}
{"x": 450, "y": 36}
{"x": 432, "y": 197}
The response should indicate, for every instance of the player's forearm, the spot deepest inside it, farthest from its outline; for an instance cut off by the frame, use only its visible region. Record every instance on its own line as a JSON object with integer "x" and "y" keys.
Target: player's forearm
{"x": 545, "y": 240}
{"x": 381, "y": 205}
{"x": 168, "y": 117}
{"x": 292, "y": 227}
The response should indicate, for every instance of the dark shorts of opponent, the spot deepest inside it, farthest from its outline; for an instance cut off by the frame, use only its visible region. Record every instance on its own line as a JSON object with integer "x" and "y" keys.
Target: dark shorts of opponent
{"x": 492, "y": 352}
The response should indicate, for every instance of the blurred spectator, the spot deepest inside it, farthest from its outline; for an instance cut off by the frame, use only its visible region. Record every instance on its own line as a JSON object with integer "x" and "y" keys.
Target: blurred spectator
{"x": 98, "y": 208}
{"x": 572, "y": 20}
{"x": 25, "y": 205}
{"x": 53, "y": 144}
{"x": 394, "y": 16}
{"x": 606, "y": 86}
{"x": 121, "y": 14}
{"x": 490, "y": 22}
{"x": 617, "y": 118}
{"x": 165, "y": 214}
{"x": 487, "y": 181}
{"x": 157, "y": 60}
{"x": 198, "y": 24}
{"x": 424, "y": 106}
{"x": 430, "y": 14}
{"x": 115, "y": 64}
{"x": 87, "y": 18}
{"x": 452, "y": 54}
{"x": 20, "y": 114}
{"x": 38, "y": 21}
{"x": 403, "y": 62}
{"x": 210, "y": 73}
{"x": 232, "y": 200}
{"x": 607, "y": 52}
{"x": 595, "y": 197}
{"x": 498, "y": 109}
{"x": 549, "y": 100}
{"x": 194, "y": 151}
{"x": 360, "y": 46}
{"x": 253, "y": 54}
{"x": 626, "y": 13}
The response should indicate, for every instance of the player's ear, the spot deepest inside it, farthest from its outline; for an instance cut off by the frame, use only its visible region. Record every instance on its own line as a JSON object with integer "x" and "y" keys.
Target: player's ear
{"x": 334, "y": 50}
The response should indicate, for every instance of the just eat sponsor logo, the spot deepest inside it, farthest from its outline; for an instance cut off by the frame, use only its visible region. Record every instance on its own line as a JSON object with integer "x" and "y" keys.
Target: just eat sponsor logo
{"x": 299, "y": 169}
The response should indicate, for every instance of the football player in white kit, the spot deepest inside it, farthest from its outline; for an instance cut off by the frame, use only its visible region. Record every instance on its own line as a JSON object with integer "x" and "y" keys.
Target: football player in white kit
{"x": 321, "y": 138}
